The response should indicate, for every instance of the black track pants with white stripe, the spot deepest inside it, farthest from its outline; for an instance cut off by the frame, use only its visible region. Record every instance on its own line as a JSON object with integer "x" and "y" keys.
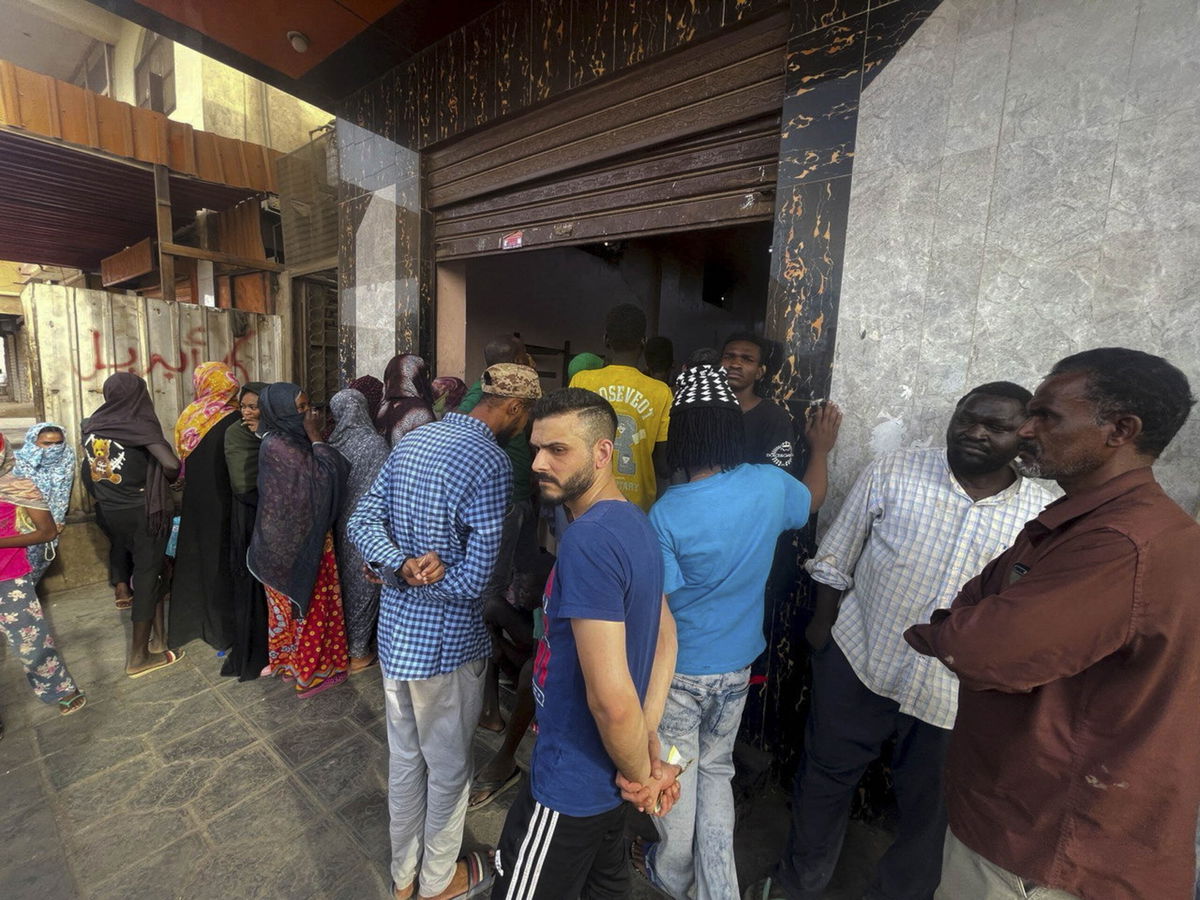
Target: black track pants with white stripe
{"x": 544, "y": 855}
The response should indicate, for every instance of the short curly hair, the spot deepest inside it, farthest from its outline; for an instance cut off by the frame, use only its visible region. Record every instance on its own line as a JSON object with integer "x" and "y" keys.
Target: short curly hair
{"x": 1129, "y": 382}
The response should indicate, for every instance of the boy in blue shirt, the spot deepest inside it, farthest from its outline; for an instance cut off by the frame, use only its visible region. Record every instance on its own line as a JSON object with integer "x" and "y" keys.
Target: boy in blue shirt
{"x": 714, "y": 578}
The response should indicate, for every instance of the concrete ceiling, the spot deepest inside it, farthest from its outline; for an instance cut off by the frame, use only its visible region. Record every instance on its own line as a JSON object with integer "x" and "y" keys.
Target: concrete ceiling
{"x": 52, "y": 36}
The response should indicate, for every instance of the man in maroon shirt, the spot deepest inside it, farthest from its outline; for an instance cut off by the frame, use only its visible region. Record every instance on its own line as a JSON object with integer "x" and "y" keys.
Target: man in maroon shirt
{"x": 1074, "y": 764}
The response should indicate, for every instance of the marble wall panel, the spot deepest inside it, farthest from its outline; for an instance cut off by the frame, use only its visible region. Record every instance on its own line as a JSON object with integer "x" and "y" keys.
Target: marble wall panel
{"x": 550, "y": 55}
{"x": 1165, "y": 69}
{"x": 514, "y": 41}
{"x": 639, "y": 31}
{"x": 1050, "y": 195}
{"x": 1154, "y": 181}
{"x": 903, "y": 118}
{"x": 820, "y": 107}
{"x": 976, "y": 91}
{"x": 593, "y": 39}
{"x": 1057, "y": 226}
{"x": 808, "y": 17}
{"x": 1069, "y": 67}
{"x": 426, "y": 110}
{"x": 743, "y": 10}
{"x": 479, "y": 70}
{"x": 689, "y": 20}
{"x": 449, "y": 66}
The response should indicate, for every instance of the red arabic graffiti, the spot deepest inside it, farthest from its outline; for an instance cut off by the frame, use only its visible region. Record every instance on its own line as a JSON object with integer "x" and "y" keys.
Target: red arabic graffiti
{"x": 191, "y": 354}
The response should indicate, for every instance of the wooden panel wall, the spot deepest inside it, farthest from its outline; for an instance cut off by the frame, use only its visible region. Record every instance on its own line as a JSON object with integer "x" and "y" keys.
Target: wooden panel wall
{"x": 78, "y": 337}
{"x": 53, "y": 108}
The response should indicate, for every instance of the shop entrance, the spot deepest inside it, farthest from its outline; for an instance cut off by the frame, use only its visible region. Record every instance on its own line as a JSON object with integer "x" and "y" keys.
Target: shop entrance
{"x": 696, "y": 288}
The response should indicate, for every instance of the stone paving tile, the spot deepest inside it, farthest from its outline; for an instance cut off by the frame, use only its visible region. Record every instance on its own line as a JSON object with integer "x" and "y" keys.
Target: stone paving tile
{"x": 218, "y": 740}
{"x": 187, "y": 784}
{"x": 236, "y": 777}
{"x": 159, "y": 875}
{"x": 301, "y": 742}
{"x": 106, "y": 846}
{"x": 352, "y": 767}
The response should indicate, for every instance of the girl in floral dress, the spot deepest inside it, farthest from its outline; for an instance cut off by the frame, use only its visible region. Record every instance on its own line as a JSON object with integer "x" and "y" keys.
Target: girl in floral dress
{"x": 25, "y": 520}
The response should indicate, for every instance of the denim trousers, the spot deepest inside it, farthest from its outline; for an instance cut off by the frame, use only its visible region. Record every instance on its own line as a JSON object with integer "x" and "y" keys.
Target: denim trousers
{"x": 847, "y": 727}
{"x": 694, "y": 855}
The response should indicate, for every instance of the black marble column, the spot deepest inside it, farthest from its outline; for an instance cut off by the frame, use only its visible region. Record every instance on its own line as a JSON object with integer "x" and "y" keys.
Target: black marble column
{"x": 835, "y": 47}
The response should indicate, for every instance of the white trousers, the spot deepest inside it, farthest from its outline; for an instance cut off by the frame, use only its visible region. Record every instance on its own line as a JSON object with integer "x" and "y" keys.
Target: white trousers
{"x": 968, "y": 876}
{"x": 430, "y": 725}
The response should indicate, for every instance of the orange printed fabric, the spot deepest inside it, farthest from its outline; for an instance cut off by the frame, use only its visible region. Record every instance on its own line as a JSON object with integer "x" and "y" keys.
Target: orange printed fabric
{"x": 312, "y": 649}
{"x": 216, "y": 387}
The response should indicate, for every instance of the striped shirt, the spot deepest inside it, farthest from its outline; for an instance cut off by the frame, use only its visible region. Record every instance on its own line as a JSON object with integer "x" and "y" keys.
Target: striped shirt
{"x": 445, "y": 487}
{"x": 905, "y": 541}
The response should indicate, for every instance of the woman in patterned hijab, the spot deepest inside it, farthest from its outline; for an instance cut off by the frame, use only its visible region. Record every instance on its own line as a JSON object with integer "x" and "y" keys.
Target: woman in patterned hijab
{"x": 49, "y": 462}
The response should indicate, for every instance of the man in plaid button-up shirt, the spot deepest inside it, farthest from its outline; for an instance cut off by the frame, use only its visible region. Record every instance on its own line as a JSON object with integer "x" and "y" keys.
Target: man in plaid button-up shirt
{"x": 916, "y": 525}
{"x": 430, "y": 530}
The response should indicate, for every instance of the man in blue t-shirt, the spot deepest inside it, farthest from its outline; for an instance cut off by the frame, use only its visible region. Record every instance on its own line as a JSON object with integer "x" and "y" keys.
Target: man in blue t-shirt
{"x": 714, "y": 579}
{"x": 601, "y": 674}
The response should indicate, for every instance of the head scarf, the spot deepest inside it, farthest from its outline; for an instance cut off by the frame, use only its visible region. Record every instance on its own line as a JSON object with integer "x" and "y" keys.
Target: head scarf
{"x": 14, "y": 489}
{"x": 127, "y": 416}
{"x": 448, "y": 392}
{"x": 371, "y": 388}
{"x": 215, "y": 386}
{"x": 582, "y": 363}
{"x": 52, "y": 469}
{"x": 241, "y": 448}
{"x": 299, "y": 491}
{"x": 408, "y": 399}
{"x": 277, "y": 411}
{"x": 357, "y": 440}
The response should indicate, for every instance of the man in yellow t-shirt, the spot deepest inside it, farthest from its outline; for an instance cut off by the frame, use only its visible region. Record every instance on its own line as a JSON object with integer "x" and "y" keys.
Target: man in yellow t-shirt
{"x": 643, "y": 406}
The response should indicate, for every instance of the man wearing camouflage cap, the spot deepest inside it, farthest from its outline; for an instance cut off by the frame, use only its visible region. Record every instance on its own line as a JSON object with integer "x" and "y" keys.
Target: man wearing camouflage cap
{"x": 430, "y": 529}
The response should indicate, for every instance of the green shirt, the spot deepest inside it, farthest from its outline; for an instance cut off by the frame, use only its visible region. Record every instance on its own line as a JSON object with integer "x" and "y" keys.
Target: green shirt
{"x": 517, "y": 448}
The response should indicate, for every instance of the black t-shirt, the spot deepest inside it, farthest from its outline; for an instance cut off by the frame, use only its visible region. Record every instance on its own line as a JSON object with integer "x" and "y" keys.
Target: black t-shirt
{"x": 768, "y": 435}
{"x": 117, "y": 472}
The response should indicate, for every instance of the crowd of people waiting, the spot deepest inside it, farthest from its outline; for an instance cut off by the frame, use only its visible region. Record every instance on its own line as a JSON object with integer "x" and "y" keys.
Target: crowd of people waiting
{"x": 1030, "y": 659}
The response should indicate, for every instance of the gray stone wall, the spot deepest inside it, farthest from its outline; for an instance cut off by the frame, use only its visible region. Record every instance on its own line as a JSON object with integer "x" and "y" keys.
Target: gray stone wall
{"x": 1025, "y": 186}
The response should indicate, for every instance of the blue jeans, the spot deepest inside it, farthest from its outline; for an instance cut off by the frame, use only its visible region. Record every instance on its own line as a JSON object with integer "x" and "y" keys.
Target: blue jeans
{"x": 694, "y": 855}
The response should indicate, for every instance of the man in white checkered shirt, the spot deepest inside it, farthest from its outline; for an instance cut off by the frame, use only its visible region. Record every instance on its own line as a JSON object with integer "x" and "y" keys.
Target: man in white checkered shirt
{"x": 915, "y": 527}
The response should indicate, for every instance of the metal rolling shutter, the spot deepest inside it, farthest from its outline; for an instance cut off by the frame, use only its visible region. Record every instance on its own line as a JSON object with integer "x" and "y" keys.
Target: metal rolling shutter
{"x": 689, "y": 141}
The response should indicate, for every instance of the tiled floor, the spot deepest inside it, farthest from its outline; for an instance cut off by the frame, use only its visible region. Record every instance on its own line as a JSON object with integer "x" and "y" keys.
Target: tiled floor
{"x": 185, "y": 784}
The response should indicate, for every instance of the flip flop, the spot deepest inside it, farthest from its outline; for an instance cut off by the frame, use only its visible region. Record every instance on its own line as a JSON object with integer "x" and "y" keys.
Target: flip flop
{"x": 493, "y": 788}
{"x": 331, "y": 681}
{"x": 480, "y": 875}
{"x": 172, "y": 658}
{"x": 123, "y": 602}
{"x": 355, "y": 669}
{"x": 73, "y": 704}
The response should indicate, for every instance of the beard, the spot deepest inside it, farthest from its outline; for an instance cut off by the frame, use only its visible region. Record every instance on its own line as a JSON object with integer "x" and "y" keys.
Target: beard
{"x": 1032, "y": 464}
{"x": 576, "y": 485}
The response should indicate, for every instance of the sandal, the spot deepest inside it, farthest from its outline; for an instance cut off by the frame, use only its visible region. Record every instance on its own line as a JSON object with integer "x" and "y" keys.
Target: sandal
{"x": 71, "y": 704}
{"x": 123, "y": 602}
{"x": 492, "y": 789}
{"x": 480, "y": 875}
{"x": 356, "y": 666}
{"x": 331, "y": 681}
{"x": 172, "y": 657}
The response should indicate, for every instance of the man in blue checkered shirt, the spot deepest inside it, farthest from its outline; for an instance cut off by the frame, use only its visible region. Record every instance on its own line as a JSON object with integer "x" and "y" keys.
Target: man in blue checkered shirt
{"x": 429, "y": 529}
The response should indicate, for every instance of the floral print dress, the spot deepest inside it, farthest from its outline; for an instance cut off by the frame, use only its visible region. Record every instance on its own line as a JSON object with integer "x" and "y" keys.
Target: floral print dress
{"x": 23, "y": 622}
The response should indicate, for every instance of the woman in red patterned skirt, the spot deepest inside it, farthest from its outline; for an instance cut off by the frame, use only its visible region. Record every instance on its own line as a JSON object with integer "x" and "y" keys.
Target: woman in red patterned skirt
{"x": 291, "y": 552}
